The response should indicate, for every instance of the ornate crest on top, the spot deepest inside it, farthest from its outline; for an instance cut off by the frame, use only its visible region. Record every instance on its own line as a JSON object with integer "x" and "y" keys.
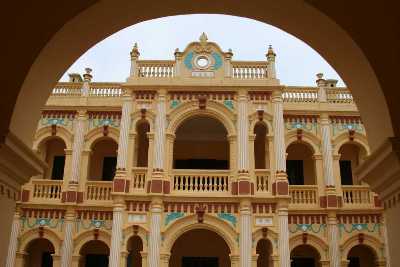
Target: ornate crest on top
{"x": 204, "y": 46}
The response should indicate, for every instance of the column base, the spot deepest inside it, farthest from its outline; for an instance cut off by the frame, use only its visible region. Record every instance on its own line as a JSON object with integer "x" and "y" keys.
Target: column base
{"x": 158, "y": 184}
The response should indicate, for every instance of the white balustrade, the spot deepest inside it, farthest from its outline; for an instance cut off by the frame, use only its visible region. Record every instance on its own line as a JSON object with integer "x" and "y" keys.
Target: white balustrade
{"x": 200, "y": 181}
{"x": 111, "y": 91}
{"x": 46, "y": 189}
{"x": 303, "y": 194}
{"x": 300, "y": 95}
{"x": 356, "y": 195}
{"x": 156, "y": 69}
{"x": 98, "y": 190}
{"x": 339, "y": 96}
{"x": 249, "y": 70}
{"x": 66, "y": 90}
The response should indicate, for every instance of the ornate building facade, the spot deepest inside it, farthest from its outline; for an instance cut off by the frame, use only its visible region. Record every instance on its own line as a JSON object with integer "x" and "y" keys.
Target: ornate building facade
{"x": 199, "y": 161}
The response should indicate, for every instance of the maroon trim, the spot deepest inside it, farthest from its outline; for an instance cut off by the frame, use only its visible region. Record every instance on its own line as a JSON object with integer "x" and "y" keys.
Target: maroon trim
{"x": 156, "y": 186}
{"x": 25, "y": 195}
{"x": 119, "y": 185}
{"x": 234, "y": 187}
{"x": 282, "y": 188}
{"x": 244, "y": 188}
{"x": 166, "y": 187}
{"x": 322, "y": 202}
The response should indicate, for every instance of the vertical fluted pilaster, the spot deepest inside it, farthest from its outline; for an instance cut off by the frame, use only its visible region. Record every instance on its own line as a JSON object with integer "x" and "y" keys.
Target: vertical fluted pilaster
{"x": 279, "y": 132}
{"x": 79, "y": 134}
{"x": 124, "y": 133}
{"x": 12, "y": 247}
{"x": 284, "y": 251}
{"x": 245, "y": 236}
{"x": 243, "y": 132}
{"x": 333, "y": 233}
{"x": 385, "y": 239}
{"x": 160, "y": 124}
{"x": 67, "y": 244}
{"x": 327, "y": 158}
{"x": 116, "y": 235}
{"x": 155, "y": 235}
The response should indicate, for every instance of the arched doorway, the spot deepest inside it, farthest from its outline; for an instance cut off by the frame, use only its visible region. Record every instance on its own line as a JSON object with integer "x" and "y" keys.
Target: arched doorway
{"x": 300, "y": 164}
{"x": 103, "y": 160}
{"x": 200, "y": 248}
{"x": 52, "y": 151}
{"x": 39, "y": 253}
{"x": 94, "y": 253}
{"x": 134, "y": 247}
{"x": 261, "y": 148}
{"x": 201, "y": 143}
{"x": 264, "y": 252}
{"x": 142, "y": 143}
{"x": 305, "y": 256}
{"x": 361, "y": 256}
{"x": 351, "y": 155}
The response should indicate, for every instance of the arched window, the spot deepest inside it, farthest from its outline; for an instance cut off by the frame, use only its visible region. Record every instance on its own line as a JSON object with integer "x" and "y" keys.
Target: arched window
{"x": 94, "y": 253}
{"x": 361, "y": 256}
{"x": 305, "y": 256}
{"x": 135, "y": 247}
{"x": 351, "y": 155}
{"x": 53, "y": 153}
{"x": 264, "y": 252}
{"x": 261, "y": 151}
{"x": 300, "y": 165}
{"x": 142, "y": 143}
{"x": 39, "y": 253}
{"x": 201, "y": 143}
{"x": 103, "y": 160}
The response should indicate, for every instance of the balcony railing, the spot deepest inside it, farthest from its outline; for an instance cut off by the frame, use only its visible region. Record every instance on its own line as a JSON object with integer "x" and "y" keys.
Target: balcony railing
{"x": 303, "y": 194}
{"x": 201, "y": 181}
{"x": 139, "y": 178}
{"x": 249, "y": 70}
{"x": 263, "y": 181}
{"x": 300, "y": 95}
{"x": 46, "y": 189}
{"x": 155, "y": 69}
{"x": 98, "y": 190}
{"x": 339, "y": 96}
{"x": 357, "y": 195}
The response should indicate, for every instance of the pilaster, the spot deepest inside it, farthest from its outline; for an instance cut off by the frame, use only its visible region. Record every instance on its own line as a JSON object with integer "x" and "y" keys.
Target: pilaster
{"x": 155, "y": 233}
{"x": 245, "y": 239}
{"x": 67, "y": 244}
{"x": 116, "y": 234}
{"x": 12, "y": 247}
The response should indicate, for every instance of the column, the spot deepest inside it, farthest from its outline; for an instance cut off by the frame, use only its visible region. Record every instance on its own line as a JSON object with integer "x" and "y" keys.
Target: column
{"x": 159, "y": 128}
{"x": 243, "y": 132}
{"x": 228, "y": 63}
{"x": 122, "y": 158}
{"x": 67, "y": 244}
{"x": 155, "y": 234}
{"x": 12, "y": 247}
{"x": 116, "y": 233}
{"x": 178, "y": 59}
{"x": 245, "y": 234}
{"x": 79, "y": 134}
{"x": 333, "y": 234}
{"x": 283, "y": 242}
{"x": 279, "y": 132}
{"x": 326, "y": 148}
{"x": 271, "y": 72}
{"x": 134, "y": 57}
{"x": 385, "y": 238}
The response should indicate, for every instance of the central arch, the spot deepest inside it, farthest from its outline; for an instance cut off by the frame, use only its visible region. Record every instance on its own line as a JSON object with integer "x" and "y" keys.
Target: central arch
{"x": 200, "y": 247}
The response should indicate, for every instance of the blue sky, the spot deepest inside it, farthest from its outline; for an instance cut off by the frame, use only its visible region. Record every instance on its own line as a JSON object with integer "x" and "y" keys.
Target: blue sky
{"x": 296, "y": 62}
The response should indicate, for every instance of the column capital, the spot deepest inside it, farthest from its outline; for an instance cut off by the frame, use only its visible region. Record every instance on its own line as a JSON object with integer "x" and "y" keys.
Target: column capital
{"x": 276, "y": 96}
{"x": 324, "y": 119}
{"x": 81, "y": 114}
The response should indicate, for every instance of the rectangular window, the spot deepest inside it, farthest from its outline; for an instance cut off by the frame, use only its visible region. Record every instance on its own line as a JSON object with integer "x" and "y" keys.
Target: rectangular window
{"x": 57, "y": 172}
{"x": 295, "y": 172}
{"x": 346, "y": 175}
{"x": 109, "y": 167}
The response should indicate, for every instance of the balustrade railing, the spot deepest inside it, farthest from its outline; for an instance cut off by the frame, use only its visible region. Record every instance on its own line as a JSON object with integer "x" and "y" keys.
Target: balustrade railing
{"x": 46, "y": 189}
{"x": 356, "y": 195}
{"x": 98, "y": 190}
{"x": 303, "y": 194}
{"x": 106, "y": 91}
{"x": 67, "y": 90}
{"x": 201, "y": 181}
{"x": 249, "y": 70}
{"x": 262, "y": 180}
{"x": 339, "y": 96}
{"x": 139, "y": 177}
{"x": 300, "y": 95}
{"x": 155, "y": 69}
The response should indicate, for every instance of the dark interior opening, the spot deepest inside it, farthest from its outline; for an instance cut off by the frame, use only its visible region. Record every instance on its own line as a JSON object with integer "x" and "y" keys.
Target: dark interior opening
{"x": 295, "y": 172}
{"x": 346, "y": 174}
{"x": 57, "y": 172}
{"x": 109, "y": 168}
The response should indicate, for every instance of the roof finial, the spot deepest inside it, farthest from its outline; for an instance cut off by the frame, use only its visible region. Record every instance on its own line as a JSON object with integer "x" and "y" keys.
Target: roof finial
{"x": 87, "y": 77}
{"x": 135, "y": 51}
{"x": 270, "y": 51}
{"x": 203, "y": 38}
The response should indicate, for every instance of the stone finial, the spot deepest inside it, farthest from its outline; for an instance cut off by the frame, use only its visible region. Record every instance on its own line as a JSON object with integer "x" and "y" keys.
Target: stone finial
{"x": 229, "y": 54}
{"x": 320, "y": 75}
{"x": 87, "y": 77}
{"x": 177, "y": 53}
{"x": 135, "y": 51}
{"x": 320, "y": 80}
{"x": 203, "y": 38}
{"x": 270, "y": 52}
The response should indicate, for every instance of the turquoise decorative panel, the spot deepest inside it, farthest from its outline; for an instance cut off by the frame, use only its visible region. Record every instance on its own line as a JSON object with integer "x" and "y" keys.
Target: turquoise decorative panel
{"x": 93, "y": 224}
{"x": 229, "y": 104}
{"x": 174, "y": 103}
{"x": 341, "y": 127}
{"x": 228, "y": 217}
{"x": 314, "y": 228}
{"x": 173, "y": 216}
{"x": 217, "y": 60}
{"x": 40, "y": 222}
{"x": 371, "y": 228}
{"x": 188, "y": 60}
{"x": 95, "y": 122}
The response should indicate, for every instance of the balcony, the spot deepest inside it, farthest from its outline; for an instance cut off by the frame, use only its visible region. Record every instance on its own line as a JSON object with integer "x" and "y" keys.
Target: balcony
{"x": 98, "y": 191}
{"x": 357, "y": 196}
{"x": 209, "y": 182}
{"x": 263, "y": 181}
{"x": 46, "y": 190}
{"x": 304, "y": 196}
{"x": 139, "y": 175}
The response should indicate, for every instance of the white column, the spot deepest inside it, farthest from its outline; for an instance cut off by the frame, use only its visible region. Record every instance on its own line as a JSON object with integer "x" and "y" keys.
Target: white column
{"x": 87, "y": 78}
{"x": 385, "y": 239}
{"x": 245, "y": 235}
{"x": 283, "y": 243}
{"x": 327, "y": 157}
{"x": 333, "y": 234}
{"x": 77, "y": 146}
{"x": 155, "y": 235}
{"x": 271, "y": 72}
{"x": 159, "y": 129}
{"x": 243, "y": 132}
{"x": 124, "y": 133}
{"x": 279, "y": 132}
{"x": 116, "y": 234}
{"x": 134, "y": 57}
{"x": 12, "y": 247}
{"x": 67, "y": 244}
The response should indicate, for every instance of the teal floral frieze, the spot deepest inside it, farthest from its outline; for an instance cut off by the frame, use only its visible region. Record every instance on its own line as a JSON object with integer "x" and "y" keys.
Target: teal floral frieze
{"x": 41, "y": 222}
{"x": 173, "y": 216}
{"x": 174, "y": 103}
{"x": 99, "y": 122}
{"x": 309, "y": 127}
{"x": 359, "y": 227}
{"x": 228, "y": 217}
{"x": 217, "y": 60}
{"x": 94, "y": 223}
{"x": 341, "y": 127}
{"x": 314, "y": 228}
{"x": 229, "y": 104}
{"x": 188, "y": 60}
